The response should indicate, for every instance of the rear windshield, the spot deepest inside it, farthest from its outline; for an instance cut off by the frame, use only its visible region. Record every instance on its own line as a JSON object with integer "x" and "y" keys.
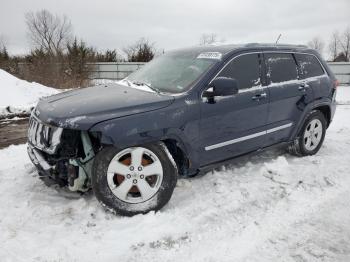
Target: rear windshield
{"x": 309, "y": 65}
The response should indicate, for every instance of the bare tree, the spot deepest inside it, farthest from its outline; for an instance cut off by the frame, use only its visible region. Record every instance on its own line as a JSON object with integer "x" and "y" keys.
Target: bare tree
{"x": 344, "y": 43}
{"x": 3, "y": 50}
{"x": 2, "y": 42}
{"x": 48, "y": 32}
{"x": 333, "y": 45}
{"x": 141, "y": 51}
{"x": 317, "y": 44}
{"x": 207, "y": 39}
{"x": 108, "y": 56}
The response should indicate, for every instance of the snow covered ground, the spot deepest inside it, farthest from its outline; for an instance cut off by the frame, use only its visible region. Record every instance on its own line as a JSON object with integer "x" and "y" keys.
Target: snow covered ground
{"x": 19, "y": 96}
{"x": 270, "y": 207}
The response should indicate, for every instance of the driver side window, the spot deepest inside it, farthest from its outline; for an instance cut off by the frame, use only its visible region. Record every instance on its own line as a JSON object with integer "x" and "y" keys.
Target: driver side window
{"x": 245, "y": 69}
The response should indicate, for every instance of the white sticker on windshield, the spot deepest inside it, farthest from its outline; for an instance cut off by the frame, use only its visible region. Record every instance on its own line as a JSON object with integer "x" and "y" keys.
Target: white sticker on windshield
{"x": 210, "y": 55}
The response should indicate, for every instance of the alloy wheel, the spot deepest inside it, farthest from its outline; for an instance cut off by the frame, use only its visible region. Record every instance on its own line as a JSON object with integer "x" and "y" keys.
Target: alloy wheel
{"x": 135, "y": 175}
{"x": 313, "y": 134}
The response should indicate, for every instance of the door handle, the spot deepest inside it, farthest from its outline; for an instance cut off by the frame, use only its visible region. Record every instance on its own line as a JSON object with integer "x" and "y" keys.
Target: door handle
{"x": 259, "y": 96}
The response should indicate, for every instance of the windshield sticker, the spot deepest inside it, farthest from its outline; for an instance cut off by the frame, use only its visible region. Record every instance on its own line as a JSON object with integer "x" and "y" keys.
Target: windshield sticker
{"x": 210, "y": 55}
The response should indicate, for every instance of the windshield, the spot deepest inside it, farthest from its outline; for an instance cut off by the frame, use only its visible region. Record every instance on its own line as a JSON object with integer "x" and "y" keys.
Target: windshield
{"x": 173, "y": 72}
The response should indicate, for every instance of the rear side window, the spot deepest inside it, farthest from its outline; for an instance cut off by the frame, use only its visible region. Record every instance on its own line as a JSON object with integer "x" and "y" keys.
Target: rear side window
{"x": 245, "y": 69}
{"x": 309, "y": 65}
{"x": 281, "y": 67}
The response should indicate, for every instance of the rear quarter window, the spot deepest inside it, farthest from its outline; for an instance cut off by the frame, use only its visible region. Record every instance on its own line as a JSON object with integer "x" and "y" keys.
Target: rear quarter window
{"x": 281, "y": 67}
{"x": 309, "y": 65}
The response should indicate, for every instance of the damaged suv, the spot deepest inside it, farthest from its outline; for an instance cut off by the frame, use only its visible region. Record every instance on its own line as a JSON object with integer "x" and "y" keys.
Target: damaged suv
{"x": 182, "y": 113}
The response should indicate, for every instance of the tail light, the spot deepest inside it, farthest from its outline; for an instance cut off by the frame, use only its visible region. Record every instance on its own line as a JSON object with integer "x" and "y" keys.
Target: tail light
{"x": 336, "y": 83}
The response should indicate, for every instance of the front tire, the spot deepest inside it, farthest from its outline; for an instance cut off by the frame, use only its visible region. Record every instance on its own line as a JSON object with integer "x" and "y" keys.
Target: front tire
{"x": 311, "y": 136}
{"x": 134, "y": 180}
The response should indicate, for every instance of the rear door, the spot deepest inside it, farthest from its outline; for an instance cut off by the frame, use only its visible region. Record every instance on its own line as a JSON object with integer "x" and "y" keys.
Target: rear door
{"x": 233, "y": 125}
{"x": 289, "y": 95}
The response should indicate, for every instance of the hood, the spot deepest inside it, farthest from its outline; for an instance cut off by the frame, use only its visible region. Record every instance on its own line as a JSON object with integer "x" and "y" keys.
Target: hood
{"x": 82, "y": 108}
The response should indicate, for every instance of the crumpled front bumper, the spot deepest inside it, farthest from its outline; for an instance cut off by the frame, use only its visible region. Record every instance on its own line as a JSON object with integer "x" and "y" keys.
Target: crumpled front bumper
{"x": 37, "y": 158}
{"x": 47, "y": 172}
{"x": 43, "y": 167}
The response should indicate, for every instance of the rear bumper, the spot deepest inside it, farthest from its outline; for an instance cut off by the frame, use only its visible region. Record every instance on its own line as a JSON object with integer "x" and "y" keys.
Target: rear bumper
{"x": 333, "y": 109}
{"x": 333, "y": 105}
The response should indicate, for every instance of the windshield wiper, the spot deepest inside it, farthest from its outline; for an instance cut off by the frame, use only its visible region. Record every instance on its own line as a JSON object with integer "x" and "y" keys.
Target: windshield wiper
{"x": 127, "y": 81}
{"x": 139, "y": 83}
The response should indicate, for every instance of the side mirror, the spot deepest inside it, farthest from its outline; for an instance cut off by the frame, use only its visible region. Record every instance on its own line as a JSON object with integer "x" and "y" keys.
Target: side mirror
{"x": 222, "y": 86}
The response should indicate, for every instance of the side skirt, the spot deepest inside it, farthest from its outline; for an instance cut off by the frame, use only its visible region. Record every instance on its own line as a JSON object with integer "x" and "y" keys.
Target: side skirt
{"x": 234, "y": 160}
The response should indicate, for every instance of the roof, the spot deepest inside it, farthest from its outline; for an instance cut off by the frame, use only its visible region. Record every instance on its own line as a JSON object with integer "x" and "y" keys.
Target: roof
{"x": 226, "y": 49}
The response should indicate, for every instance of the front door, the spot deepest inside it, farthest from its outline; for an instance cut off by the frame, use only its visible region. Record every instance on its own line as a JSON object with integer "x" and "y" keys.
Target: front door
{"x": 234, "y": 125}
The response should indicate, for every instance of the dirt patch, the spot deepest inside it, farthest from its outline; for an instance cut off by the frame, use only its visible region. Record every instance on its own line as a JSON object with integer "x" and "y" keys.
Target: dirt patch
{"x": 13, "y": 132}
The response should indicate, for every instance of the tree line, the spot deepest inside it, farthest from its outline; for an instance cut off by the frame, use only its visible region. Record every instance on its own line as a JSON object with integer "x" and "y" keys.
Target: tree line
{"x": 338, "y": 46}
{"x": 60, "y": 59}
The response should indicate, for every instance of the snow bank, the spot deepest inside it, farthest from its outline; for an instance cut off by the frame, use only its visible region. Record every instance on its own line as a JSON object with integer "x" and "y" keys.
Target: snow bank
{"x": 19, "y": 96}
{"x": 269, "y": 207}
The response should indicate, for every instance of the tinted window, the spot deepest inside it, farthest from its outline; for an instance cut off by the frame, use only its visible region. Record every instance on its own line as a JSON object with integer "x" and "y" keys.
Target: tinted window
{"x": 309, "y": 65}
{"x": 281, "y": 67}
{"x": 245, "y": 69}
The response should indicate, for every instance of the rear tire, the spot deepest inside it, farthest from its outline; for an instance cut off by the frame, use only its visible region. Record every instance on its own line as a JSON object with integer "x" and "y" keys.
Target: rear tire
{"x": 134, "y": 180}
{"x": 311, "y": 136}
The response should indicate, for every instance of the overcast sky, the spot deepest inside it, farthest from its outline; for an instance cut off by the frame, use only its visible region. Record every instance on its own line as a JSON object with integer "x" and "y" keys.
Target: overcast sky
{"x": 178, "y": 23}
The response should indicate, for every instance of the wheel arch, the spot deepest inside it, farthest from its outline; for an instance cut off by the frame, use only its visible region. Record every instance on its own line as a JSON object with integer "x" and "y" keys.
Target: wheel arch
{"x": 326, "y": 111}
{"x": 324, "y": 107}
{"x": 174, "y": 140}
{"x": 178, "y": 152}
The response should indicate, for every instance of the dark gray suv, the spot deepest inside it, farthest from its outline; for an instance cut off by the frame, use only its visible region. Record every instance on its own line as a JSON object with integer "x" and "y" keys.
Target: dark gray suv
{"x": 182, "y": 113}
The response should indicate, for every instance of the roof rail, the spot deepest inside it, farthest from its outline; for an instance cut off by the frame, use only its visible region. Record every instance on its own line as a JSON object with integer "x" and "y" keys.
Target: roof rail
{"x": 273, "y": 45}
